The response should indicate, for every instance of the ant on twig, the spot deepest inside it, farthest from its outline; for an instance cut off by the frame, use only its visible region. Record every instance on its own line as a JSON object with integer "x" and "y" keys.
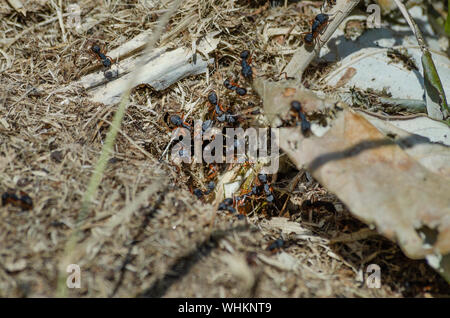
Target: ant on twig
{"x": 317, "y": 27}
{"x": 106, "y": 60}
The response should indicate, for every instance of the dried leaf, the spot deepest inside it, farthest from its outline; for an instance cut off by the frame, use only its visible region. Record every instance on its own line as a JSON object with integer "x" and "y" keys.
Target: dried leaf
{"x": 377, "y": 180}
{"x": 420, "y": 141}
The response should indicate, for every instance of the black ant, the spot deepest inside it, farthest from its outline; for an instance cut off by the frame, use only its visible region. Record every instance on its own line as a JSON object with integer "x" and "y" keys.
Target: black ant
{"x": 262, "y": 185}
{"x": 178, "y": 122}
{"x": 24, "y": 202}
{"x": 222, "y": 115}
{"x": 268, "y": 191}
{"x": 199, "y": 193}
{"x": 275, "y": 245}
{"x": 233, "y": 86}
{"x": 297, "y": 108}
{"x": 246, "y": 71}
{"x": 318, "y": 26}
{"x": 320, "y": 22}
{"x": 214, "y": 101}
{"x": 227, "y": 205}
{"x": 106, "y": 60}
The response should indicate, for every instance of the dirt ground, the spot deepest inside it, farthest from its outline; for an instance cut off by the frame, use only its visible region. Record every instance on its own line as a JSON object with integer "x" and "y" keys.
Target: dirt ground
{"x": 147, "y": 234}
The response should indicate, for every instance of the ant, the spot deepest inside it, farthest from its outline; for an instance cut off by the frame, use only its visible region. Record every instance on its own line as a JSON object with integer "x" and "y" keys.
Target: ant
{"x": 178, "y": 122}
{"x": 222, "y": 115}
{"x": 297, "y": 109}
{"x": 24, "y": 202}
{"x": 239, "y": 201}
{"x": 320, "y": 22}
{"x": 308, "y": 38}
{"x": 213, "y": 171}
{"x": 106, "y": 60}
{"x": 246, "y": 71}
{"x": 199, "y": 193}
{"x": 268, "y": 191}
{"x": 318, "y": 26}
{"x": 227, "y": 205}
{"x": 206, "y": 125}
{"x": 233, "y": 86}
{"x": 214, "y": 101}
{"x": 262, "y": 185}
{"x": 276, "y": 245}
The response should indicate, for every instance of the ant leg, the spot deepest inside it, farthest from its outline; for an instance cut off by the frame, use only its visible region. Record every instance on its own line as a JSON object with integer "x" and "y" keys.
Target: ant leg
{"x": 285, "y": 76}
{"x": 249, "y": 59}
{"x": 110, "y": 58}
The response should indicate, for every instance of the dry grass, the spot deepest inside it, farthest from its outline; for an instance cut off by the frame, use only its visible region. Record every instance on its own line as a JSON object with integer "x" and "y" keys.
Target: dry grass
{"x": 146, "y": 234}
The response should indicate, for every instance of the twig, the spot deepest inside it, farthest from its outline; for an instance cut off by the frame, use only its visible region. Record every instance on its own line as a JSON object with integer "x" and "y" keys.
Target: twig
{"x": 355, "y": 236}
{"x": 58, "y": 9}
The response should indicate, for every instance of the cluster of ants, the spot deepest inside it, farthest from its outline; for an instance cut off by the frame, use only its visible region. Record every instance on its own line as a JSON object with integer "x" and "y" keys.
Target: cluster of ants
{"x": 261, "y": 188}
{"x": 220, "y": 114}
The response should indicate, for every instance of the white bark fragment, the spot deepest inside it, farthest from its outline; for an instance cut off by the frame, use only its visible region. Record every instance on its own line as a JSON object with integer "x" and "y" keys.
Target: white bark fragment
{"x": 159, "y": 73}
{"x": 161, "y": 69}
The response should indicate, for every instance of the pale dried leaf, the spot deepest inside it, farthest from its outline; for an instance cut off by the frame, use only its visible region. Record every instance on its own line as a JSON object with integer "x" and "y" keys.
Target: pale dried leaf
{"x": 377, "y": 180}
{"x": 419, "y": 140}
